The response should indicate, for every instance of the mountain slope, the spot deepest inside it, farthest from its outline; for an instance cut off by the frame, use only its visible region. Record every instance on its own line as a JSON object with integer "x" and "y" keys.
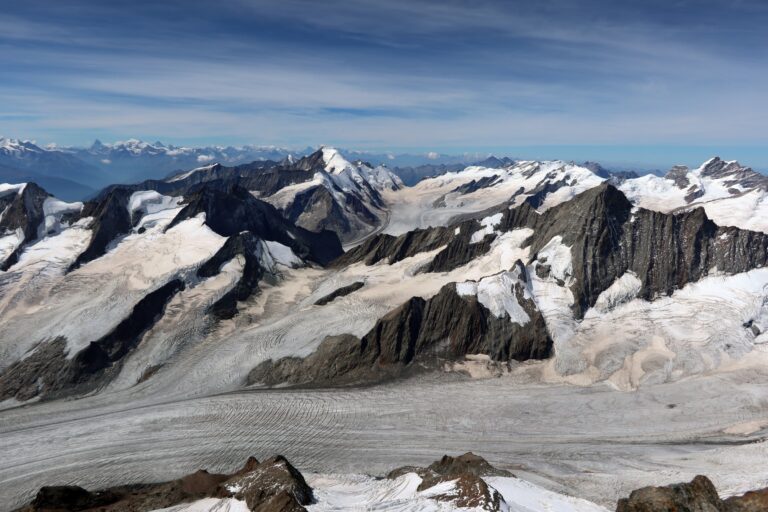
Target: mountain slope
{"x": 581, "y": 260}
{"x": 117, "y": 264}
{"x": 321, "y": 191}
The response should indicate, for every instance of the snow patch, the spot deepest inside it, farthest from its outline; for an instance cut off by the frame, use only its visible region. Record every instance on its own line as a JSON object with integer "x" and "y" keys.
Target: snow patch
{"x": 283, "y": 255}
{"x": 558, "y": 257}
{"x": 497, "y": 293}
{"x": 488, "y": 223}
{"x": 624, "y": 289}
{"x": 523, "y": 496}
{"x": 53, "y": 211}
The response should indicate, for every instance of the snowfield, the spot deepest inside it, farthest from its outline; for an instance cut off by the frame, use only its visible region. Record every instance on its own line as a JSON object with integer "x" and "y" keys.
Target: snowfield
{"x": 435, "y": 201}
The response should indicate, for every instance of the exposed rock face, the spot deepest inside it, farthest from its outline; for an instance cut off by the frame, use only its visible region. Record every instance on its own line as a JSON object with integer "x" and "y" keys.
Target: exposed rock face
{"x": 265, "y": 176}
{"x": 469, "y": 463}
{"x": 70, "y": 497}
{"x": 341, "y": 292}
{"x": 48, "y": 373}
{"x": 230, "y": 212}
{"x": 752, "y": 501}
{"x": 467, "y": 471}
{"x": 342, "y": 204}
{"x": 607, "y": 238}
{"x": 24, "y": 212}
{"x": 458, "y": 248}
{"x": 734, "y": 173}
{"x": 315, "y": 209}
{"x": 699, "y": 495}
{"x": 394, "y": 249}
{"x": 447, "y": 326}
{"x": 679, "y": 174}
{"x": 475, "y": 185}
{"x": 251, "y": 249}
{"x": 111, "y": 219}
{"x": 271, "y": 486}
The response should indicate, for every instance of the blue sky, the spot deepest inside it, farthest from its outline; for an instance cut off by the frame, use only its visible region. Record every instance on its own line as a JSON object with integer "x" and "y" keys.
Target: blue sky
{"x": 652, "y": 82}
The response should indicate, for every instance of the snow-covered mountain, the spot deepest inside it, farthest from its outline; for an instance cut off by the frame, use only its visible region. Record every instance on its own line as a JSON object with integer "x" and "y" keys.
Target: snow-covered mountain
{"x": 320, "y": 191}
{"x": 479, "y": 297}
{"x": 527, "y": 261}
{"x": 436, "y": 201}
{"x": 135, "y": 160}
{"x": 731, "y": 194}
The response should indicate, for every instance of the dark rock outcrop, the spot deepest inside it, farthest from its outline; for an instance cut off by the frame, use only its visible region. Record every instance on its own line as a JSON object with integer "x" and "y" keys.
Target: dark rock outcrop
{"x": 419, "y": 333}
{"x": 111, "y": 219}
{"x": 699, "y": 495}
{"x": 475, "y": 185}
{"x": 248, "y": 247}
{"x": 608, "y": 238}
{"x": 340, "y": 292}
{"x": 458, "y": 248}
{"x": 231, "y": 211}
{"x": 315, "y": 208}
{"x": 23, "y": 211}
{"x": 467, "y": 471}
{"x": 396, "y": 248}
{"x": 271, "y": 486}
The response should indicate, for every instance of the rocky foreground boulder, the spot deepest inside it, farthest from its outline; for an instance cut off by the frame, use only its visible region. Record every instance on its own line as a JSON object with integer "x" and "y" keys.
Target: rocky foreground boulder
{"x": 270, "y": 486}
{"x": 699, "y": 495}
{"x": 467, "y": 472}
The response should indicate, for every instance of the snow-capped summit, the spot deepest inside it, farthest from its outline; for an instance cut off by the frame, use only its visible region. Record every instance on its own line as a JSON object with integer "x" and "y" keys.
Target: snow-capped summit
{"x": 359, "y": 172}
{"x": 16, "y": 147}
{"x": 730, "y": 193}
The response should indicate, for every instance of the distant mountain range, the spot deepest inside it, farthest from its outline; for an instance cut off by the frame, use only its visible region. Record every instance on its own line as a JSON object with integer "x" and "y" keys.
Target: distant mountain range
{"x": 77, "y": 173}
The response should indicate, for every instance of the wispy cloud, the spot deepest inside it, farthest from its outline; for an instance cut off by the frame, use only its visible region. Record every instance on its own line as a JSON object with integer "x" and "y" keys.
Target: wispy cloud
{"x": 382, "y": 74}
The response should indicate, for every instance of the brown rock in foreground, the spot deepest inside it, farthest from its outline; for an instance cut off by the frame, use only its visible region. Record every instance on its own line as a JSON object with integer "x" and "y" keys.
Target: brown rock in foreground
{"x": 271, "y": 486}
{"x": 699, "y": 495}
{"x": 467, "y": 471}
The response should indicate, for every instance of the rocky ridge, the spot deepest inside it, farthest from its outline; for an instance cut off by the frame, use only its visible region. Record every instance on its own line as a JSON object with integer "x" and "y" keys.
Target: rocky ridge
{"x": 270, "y": 486}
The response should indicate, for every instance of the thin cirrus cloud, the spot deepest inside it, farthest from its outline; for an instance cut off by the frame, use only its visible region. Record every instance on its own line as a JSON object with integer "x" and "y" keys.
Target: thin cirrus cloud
{"x": 370, "y": 74}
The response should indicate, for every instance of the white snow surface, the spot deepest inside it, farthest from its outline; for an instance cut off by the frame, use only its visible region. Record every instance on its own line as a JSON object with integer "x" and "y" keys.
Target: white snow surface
{"x": 523, "y": 496}
{"x": 283, "y": 254}
{"x": 153, "y": 208}
{"x": 497, "y": 293}
{"x": 53, "y": 210}
{"x": 11, "y": 188}
{"x": 347, "y": 492}
{"x": 558, "y": 257}
{"x": 209, "y": 505}
{"x": 488, "y": 223}
{"x": 88, "y": 302}
{"x": 187, "y": 174}
{"x": 624, "y": 289}
{"x": 10, "y": 242}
